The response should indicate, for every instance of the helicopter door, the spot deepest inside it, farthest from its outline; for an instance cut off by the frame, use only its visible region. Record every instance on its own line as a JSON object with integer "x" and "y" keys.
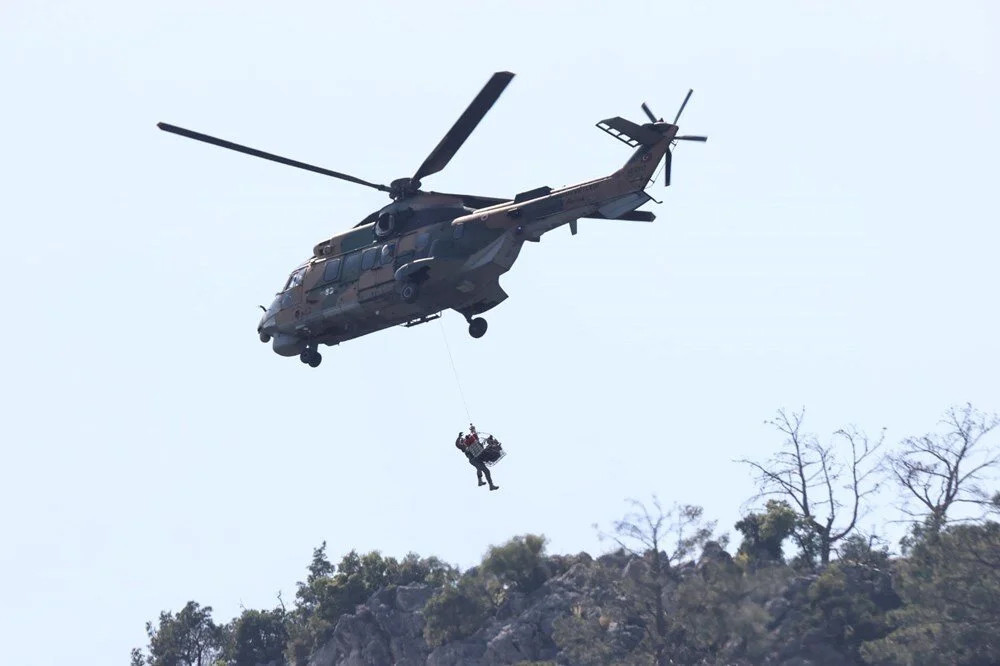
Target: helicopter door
{"x": 377, "y": 271}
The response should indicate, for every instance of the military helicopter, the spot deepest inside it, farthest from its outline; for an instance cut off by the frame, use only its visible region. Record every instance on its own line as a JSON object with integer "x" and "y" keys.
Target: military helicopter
{"x": 427, "y": 252}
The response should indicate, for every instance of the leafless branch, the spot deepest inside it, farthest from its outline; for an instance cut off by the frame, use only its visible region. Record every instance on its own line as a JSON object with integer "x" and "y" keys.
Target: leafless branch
{"x": 827, "y": 488}
{"x": 939, "y": 470}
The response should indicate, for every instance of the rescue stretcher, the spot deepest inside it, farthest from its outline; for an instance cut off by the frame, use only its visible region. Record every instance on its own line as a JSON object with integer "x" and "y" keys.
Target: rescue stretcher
{"x": 487, "y": 449}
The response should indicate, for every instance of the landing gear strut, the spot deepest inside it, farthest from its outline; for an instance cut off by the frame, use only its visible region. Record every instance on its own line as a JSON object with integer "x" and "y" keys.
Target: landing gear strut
{"x": 477, "y": 327}
{"x": 311, "y": 357}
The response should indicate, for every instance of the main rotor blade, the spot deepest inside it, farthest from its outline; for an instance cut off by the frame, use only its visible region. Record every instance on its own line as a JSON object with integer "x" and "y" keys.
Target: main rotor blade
{"x": 267, "y": 156}
{"x": 681, "y": 110}
{"x": 649, "y": 113}
{"x": 687, "y": 137}
{"x": 463, "y": 127}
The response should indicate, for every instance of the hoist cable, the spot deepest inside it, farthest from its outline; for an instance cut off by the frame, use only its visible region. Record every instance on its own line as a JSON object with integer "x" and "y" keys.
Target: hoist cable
{"x": 458, "y": 382}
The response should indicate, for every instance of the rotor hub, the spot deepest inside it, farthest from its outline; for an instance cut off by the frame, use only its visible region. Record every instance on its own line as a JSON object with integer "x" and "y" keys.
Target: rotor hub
{"x": 403, "y": 187}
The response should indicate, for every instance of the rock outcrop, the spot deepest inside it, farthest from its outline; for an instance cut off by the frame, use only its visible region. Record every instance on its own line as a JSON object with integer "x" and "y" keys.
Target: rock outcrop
{"x": 389, "y": 628}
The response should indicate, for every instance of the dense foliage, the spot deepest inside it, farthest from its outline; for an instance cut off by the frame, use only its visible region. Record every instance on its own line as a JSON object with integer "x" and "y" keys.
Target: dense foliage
{"x": 801, "y": 585}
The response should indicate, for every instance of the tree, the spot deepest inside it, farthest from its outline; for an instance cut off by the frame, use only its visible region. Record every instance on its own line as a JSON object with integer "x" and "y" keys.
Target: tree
{"x": 461, "y": 606}
{"x": 188, "y": 639}
{"x": 950, "y": 584}
{"x": 827, "y": 493}
{"x": 427, "y": 570}
{"x": 457, "y": 611}
{"x": 646, "y": 535}
{"x": 680, "y": 528}
{"x": 331, "y": 591}
{"x": 309, "y": 623}
{"x": 258, "y": 637}
{"x": 939, "y": 470}
{"x": 860, "y": 550}
{"x": 764, "y": 533}
{"x": 319, "y": 569}
{"x": 518, "y": 565}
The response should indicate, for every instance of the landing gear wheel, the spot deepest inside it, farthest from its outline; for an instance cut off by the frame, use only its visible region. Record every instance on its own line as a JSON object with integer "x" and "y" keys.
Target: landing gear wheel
{"x": 477, "y": 327}
{"x": 310, "y": 357}
{"x": 264, "y": 337}
{"x": 409, "y": 292}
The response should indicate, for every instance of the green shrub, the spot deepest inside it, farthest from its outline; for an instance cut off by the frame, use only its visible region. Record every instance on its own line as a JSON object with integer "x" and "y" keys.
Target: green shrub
{"x": 456, "y": 611}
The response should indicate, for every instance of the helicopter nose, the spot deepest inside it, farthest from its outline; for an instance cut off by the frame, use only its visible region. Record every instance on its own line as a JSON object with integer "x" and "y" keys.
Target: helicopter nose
{"x": 266, "y": 328}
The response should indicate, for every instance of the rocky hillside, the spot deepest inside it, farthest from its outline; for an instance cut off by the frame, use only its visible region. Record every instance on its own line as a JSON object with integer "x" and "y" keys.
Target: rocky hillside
{"x": 672, "y": 593}
{"x": 939, "y": 604}
{"x": 389, "y": 627}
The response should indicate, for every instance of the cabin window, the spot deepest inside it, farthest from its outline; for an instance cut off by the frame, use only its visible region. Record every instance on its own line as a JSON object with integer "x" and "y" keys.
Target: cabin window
{"x": 368, "y": 258}
{"x": 352, "y": 267}
{"x": 388, "y": 252}
{"x": 289, "y": 298}
{"x": 457, "y": 231}
{"x": 423, "y": 240}
{"x": 332, "y": 270}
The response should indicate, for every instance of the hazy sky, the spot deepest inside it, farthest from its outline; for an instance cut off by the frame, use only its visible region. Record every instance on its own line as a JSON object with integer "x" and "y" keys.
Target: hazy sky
{"x": 833, "y": 245}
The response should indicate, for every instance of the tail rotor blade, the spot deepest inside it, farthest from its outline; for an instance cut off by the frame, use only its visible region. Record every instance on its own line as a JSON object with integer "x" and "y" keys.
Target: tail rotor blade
{"x": 681, "y": 110}
{"x": 686, "y": 137}
{"x": 668, "y": 159}
{"x": 649, "y": 113}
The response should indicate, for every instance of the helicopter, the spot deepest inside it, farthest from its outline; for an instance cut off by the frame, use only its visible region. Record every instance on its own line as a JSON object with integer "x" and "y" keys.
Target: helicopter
{"x": 427, "y": 251}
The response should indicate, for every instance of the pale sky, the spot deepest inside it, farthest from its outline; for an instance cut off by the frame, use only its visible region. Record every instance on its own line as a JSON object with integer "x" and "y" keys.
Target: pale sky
{"x": 833, "y": 245}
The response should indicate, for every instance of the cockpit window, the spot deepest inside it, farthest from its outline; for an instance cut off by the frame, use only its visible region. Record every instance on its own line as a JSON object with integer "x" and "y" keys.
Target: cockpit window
{"x": 273, "y": 309}
{"x": 295, "y": 279}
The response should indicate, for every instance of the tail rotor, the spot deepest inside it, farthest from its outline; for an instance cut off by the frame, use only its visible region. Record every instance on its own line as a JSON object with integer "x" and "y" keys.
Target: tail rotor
{"x": 668, "y": 157}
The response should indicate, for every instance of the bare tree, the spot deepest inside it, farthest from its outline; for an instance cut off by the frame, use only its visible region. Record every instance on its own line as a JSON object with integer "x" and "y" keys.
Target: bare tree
{"x": 679, "y": 528}
{"x": 826, "y": 483}
{"x": 940, "y": 470}
{"x": 647, "y": 534}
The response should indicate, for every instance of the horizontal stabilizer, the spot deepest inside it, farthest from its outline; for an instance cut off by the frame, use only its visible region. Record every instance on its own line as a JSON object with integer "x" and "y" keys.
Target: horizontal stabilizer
{"x": 615, "y": 208}
{"x": 631, "y": 216}
{"x": 630, "y": 133}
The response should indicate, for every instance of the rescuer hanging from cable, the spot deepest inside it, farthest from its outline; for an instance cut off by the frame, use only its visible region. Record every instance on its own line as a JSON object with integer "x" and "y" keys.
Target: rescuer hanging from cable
{"x": 473, "y": 449}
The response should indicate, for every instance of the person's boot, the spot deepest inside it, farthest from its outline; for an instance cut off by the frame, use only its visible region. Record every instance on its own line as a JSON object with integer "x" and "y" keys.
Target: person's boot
{"x": 494, "y": 487}
{"x": 482, "y": 483}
